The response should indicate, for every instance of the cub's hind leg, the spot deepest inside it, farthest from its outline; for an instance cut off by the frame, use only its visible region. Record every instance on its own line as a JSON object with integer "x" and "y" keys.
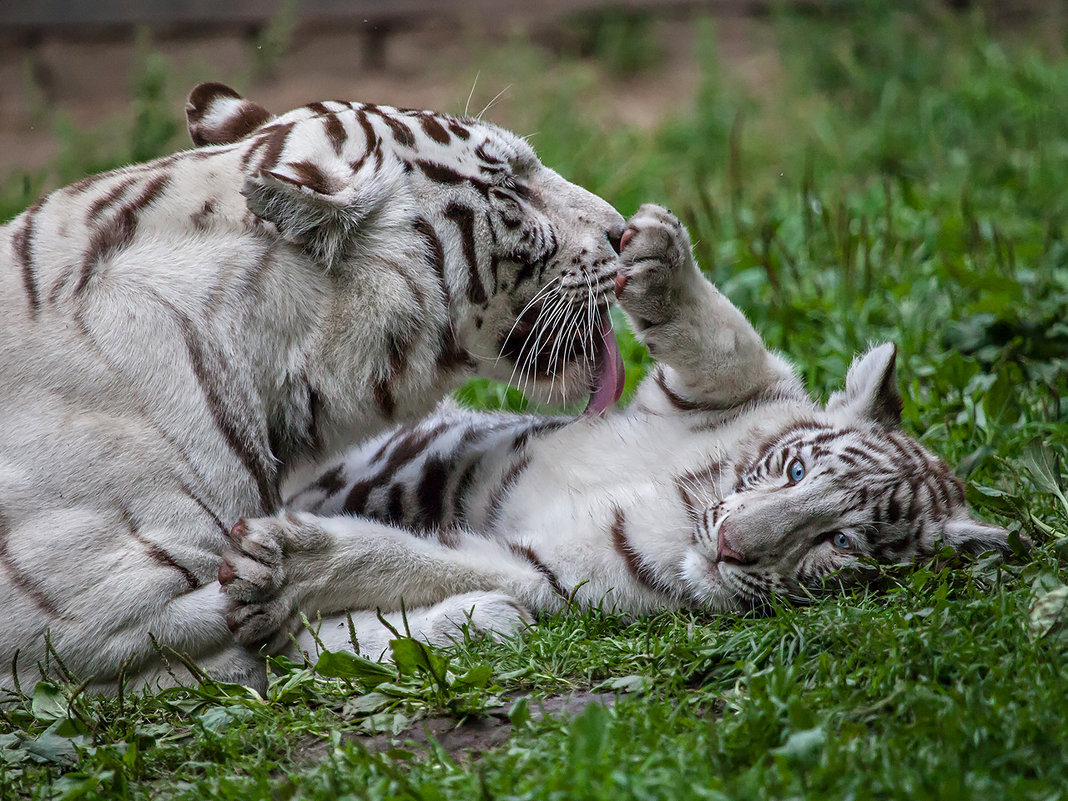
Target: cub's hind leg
{"x": 491, "y": 614}
{"x": 280, "y": 567}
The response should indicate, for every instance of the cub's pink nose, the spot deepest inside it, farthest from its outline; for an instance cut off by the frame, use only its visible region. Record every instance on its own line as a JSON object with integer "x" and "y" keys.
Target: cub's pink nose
{"x": 726, "y": 552}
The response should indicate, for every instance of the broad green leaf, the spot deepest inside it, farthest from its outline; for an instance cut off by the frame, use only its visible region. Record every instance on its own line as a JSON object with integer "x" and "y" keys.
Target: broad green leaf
{"x": 51, "y": 748}
{"x": 220, "y": 718}
{"x": 48, "y": 702}
{"x": 343, "y": 665}
{"x": 365, "y": 704}
{"x": 802, "y": 746}
{"x": 478, "y": 676}
{"x": 1043, "y": 463}
{"x": 382, "y": 722}
{"x": 1049, "y": 608}
{"x": 411, "y": 656}
{"x": 622, "y": 684}
{"x": 519, "y": 713}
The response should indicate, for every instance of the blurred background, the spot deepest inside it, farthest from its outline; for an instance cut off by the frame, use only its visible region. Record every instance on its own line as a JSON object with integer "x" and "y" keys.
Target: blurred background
{"x": 851, "y": 171}
{"x": 103, "y": 82}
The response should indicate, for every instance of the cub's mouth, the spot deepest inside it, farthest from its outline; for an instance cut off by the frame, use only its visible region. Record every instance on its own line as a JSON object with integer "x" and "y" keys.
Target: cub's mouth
{"x": 609, "y": 375}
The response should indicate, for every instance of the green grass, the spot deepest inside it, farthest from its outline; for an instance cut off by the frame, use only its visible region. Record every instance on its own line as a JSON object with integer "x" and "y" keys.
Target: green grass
{"x": 905, "y": 179}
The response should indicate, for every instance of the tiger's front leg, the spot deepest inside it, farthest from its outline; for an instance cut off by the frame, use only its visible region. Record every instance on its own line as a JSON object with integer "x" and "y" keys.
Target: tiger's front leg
{"x": 711, "y": 358}
{"x": 281, "y": 567}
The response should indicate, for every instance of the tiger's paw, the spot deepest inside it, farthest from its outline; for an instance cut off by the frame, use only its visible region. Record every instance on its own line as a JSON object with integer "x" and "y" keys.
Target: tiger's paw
{"x": 658, "y": 272}
{"x": 260, "y": 574}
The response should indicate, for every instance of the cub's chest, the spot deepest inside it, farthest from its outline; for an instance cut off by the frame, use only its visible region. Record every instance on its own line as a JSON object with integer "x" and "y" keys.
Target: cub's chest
{"x": 578, "y": 477}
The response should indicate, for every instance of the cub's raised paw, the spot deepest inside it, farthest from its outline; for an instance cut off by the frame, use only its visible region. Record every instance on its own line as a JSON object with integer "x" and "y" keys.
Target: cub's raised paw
{"x": 658, "y": 269}
{"x": 259, "y": 574}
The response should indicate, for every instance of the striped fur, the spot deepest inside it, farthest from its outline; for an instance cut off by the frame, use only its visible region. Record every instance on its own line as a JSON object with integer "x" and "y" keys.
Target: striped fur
{"x": 179, "y": 335}
{"x": 722, "y": 486}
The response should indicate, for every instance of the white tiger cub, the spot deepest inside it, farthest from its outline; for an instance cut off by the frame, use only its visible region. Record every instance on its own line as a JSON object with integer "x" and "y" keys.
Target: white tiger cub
{"x": 723, "y": 484}
{"x": 178, "y": 335}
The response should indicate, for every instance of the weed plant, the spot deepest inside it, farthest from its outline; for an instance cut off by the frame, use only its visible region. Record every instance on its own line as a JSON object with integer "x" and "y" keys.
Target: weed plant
{"x": 904, "y": 178}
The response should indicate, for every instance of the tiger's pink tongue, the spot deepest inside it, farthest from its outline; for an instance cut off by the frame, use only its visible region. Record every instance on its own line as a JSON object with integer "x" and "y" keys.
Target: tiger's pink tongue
{"x": 608, "y": 372}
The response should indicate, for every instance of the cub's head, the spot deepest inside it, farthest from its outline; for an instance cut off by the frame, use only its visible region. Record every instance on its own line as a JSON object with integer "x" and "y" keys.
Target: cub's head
{"x": 816, "y": 499}
{"x": 525, "y": 259}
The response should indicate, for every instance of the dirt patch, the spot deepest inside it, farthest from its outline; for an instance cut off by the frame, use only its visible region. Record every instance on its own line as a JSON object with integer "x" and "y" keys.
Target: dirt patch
{"x": 463, "y": 741}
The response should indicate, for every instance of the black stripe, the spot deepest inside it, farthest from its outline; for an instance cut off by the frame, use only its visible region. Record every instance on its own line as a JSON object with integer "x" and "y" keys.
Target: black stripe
{"x": 435, "y": 251}
{"x": 434, "y": 129}
{"x": 251, "y": 150}
{"x": 464, "y": 218}
{"x": 309, "y": 176}
{"x": 109, "y": 239}
{"x": 335, "y": 132}
{"x": 459, "y": 130}
{"x": 447, "y": 176}
{"x": 109, "y": 198}
{"x": 160, "y": 555}
{"x": 22, "y": 242}
{"x": 527, "y": 553}
{"x": 508, "y": 480}
{"x": 245, "y": 445}
{"x": 274, "y": 138}
{"x": 459, "y": 496}
{"x": 395, "y": 505}
{"x": 330, "y": 482}
{"x": 373, "y": 143}
{"x": 401, "y": 132}
{"x": 410, "y": 445}
{"x": 431, "y": 492}
{"x": 21, "y": 580}
{"x": 642, "y": 572}
{"x": 207, "y": 509}
{"x": 485, "y": 157}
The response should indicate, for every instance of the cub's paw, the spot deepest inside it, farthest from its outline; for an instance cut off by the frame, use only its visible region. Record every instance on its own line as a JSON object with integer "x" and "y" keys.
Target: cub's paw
{"x": 488, "y": 614}
{"x": 658, "y": 271}
{"x": 259, "y": 573}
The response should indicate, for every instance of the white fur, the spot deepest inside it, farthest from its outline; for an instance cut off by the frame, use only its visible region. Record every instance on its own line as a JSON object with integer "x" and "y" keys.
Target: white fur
{"x": 130, "y": 326}
{"x": 717, "y": 395}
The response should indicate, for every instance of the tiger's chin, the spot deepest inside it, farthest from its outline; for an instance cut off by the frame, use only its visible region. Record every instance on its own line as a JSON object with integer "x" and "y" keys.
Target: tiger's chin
{"x": 591, "y": 370}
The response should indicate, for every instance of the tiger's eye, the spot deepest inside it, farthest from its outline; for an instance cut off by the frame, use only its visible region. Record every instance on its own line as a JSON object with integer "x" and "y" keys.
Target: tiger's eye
{"x": 796, "y": 470}
{"x": 840, "y": 540}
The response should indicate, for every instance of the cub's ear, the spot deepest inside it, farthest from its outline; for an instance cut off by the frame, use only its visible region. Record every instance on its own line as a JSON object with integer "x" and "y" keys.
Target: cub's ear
{"x": 217, "y": 115}
{"x": 968, "y": 535}
{"x": 321, "y": 205}
{"x": 871, "y": 391}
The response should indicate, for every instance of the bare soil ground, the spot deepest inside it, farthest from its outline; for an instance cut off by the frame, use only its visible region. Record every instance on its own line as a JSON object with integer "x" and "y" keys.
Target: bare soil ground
{"x": 465, "y": 740}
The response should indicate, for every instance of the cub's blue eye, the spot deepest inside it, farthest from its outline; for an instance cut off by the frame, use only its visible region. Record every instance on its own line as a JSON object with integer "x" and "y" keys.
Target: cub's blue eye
{"x": 795, "y": 470}
{"x": 840, "y": 540}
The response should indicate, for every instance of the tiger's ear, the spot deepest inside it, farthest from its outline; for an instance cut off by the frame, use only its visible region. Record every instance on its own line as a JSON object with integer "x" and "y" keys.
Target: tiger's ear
{"x": 968, "y": 535}
{"x": 321, "y": 205}
{"x": 871, "y": 391}
{"x": 217, "y": 115}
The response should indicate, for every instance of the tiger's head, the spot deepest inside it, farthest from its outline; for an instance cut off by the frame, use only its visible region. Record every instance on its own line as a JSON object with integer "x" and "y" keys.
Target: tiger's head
{"x": 524, "y": 259}
{"x": 818, "y": 499}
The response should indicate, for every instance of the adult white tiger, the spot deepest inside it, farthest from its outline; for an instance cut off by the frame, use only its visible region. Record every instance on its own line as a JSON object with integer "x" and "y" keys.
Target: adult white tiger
{"x": 721, "y": 486}
{"x": 178, "y": 335}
